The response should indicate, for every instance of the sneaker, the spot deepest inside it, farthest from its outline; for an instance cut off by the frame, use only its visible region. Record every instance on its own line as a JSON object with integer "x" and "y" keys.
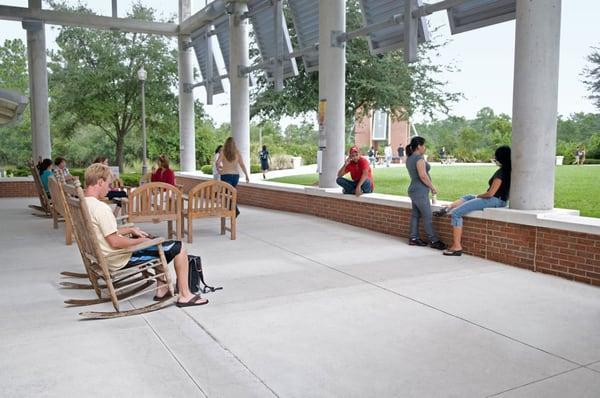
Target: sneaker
{"x": 416, "y": 242}
{"x": 438, "y": 245}
{"x": 441, "y": 212}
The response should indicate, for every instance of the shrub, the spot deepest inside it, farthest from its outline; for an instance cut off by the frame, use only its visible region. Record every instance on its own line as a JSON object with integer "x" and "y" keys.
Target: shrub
{"x": 592, "y": 161}
{"x": 18, "y": 172}
{"x": 130, "y": 179}
{"x": 255, "y": 168}
{"x": 207, "y": 169}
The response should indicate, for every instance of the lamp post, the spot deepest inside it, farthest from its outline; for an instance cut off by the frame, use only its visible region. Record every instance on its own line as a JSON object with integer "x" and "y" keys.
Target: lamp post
{"x": 142, "y": 78}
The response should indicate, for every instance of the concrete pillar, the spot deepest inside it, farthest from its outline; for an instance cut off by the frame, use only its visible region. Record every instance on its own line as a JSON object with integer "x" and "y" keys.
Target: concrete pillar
{"x": 535, "y": 97}
{"x": 38, "y": 87}
{"x": 239, "y": 85}
{"x": 187, "y": 134}
{"x": 332, "y": 73}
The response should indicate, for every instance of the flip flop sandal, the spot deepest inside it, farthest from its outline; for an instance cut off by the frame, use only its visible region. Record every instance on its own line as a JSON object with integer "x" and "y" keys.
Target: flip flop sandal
{"x": 161, "y": 298}
{"x": 193, "y": 302}
{"x": 453, "y": 252}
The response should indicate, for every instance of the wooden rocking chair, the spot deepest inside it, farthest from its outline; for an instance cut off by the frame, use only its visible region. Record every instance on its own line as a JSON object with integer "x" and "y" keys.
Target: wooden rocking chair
{"x": 212, "y": 199}
{"x": 60, "y": 212}
{"x": 119, "y": 285}
{"x": 45, "y": 206}
{"x": 156, "y": 202}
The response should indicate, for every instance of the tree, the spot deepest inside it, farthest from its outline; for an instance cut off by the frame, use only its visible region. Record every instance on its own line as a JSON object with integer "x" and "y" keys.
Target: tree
{"x": 94, "y": 80}
{"x": 592, "y": 74}
{"x": 15, "y": 140}
{"x": 372, "y": 82}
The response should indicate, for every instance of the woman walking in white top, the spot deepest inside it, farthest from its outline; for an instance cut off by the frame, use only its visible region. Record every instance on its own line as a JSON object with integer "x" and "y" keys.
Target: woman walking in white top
{"x": 230, "y": 164}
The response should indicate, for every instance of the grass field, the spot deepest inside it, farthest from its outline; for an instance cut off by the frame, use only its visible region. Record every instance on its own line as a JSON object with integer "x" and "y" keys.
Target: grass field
{"x": 577, "y": 187}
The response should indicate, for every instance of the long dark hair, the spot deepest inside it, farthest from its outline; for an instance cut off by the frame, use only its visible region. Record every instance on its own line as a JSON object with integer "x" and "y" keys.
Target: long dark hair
{"x": 44, "y": 165}
{"x": 414, "y": 143}
{"x": 218, "y": 149}
{"x": 502, "y": 156}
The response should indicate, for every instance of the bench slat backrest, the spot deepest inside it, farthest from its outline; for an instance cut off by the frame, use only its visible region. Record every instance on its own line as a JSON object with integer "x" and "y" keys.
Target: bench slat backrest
{"x": 154, "y": 201}
{"x": 212, "y": 199}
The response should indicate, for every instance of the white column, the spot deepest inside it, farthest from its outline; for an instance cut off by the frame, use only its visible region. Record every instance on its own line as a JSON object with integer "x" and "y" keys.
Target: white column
{"x": 535, "y": 97}
{"x": 332, "y": 72}
{"x": 239, "y": 85}
{"x": 38, "y": 87}
{"x": 187, "y": 135}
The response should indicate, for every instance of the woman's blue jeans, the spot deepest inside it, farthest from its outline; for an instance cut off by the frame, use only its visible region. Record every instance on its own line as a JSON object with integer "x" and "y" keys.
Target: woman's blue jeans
{"x": 232, "y": 179}
{"x": 473, "y": 203}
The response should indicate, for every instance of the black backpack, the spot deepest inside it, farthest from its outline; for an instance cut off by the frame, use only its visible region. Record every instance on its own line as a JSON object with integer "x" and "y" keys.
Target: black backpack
{"x": 371, "y": 153}
{"x": 196, "y": 276}
{"x": 264, "y": 155}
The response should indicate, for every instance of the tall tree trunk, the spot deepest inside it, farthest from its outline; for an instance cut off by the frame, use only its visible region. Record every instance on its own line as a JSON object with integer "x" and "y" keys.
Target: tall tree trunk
{"x": 120, "y": 148}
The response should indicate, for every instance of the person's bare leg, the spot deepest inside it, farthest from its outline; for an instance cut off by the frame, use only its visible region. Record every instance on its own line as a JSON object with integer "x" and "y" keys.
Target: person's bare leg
{"x": 456, "y": 239}
{"x": 181, "y": 270}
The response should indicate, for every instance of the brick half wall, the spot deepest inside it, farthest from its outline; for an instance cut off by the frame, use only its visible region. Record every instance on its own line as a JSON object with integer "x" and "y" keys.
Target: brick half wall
{"x": 570, "y": 255}
{"x": 17, "y": 187}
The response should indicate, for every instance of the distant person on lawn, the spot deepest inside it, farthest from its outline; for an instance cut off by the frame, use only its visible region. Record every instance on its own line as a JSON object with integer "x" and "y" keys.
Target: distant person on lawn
{"x": 111, "y": 239}
{"x": 360, "y": 172}
{"x": 495, "y": 196}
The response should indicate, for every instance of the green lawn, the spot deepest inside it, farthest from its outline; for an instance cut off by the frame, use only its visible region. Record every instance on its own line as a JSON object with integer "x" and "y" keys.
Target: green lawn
{"x": 577, "y": 187}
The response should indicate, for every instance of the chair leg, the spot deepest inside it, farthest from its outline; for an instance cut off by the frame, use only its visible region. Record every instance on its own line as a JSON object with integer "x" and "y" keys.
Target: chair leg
{"x": 55, "y": 218}
{"x": 169, "y": 229}
{"x": 179, "y": 226}
{"x": 233, "y": 227}
{"x": 190, "y": 228}
{"x": 68, "y": 233}
{"x": 223, "y": 225}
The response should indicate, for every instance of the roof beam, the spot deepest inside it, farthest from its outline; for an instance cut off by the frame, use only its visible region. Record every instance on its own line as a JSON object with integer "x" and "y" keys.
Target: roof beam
{"x": 53, "y": 17}
{"x": 205, "y": 16}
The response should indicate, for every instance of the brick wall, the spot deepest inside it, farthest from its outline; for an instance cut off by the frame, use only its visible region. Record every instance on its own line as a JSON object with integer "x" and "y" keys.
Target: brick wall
{"x": 17, "y": 188}
{"x": 571, "y": 255}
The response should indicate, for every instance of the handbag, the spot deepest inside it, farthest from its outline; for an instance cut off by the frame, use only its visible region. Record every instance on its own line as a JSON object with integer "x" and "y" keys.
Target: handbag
{"x": 196, "y": 276}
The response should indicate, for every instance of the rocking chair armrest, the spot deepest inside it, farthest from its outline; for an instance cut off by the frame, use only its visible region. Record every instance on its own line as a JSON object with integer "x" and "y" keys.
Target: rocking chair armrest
{"x": 143, "y": 245}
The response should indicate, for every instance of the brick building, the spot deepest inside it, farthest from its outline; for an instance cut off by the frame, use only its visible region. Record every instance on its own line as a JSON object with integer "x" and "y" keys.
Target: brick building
{"x": 378, "y": 129}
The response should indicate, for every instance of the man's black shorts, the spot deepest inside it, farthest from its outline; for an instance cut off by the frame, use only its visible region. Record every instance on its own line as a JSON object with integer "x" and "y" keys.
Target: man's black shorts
{"x": 170, "y": 247}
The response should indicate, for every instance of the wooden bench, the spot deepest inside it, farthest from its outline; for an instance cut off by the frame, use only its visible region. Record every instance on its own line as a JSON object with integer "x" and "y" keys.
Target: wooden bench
{"x": 211, "y": 199}
{"x": 114, "y": 285}
{"x": 156, "y": 202}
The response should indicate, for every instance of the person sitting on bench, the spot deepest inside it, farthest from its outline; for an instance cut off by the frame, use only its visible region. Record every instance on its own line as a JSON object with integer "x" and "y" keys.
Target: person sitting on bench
{"x": 111, "y": 239}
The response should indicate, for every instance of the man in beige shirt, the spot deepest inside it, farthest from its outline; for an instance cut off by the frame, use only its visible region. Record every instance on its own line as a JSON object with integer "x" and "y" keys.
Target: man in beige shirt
{"x": 98, "y": 178}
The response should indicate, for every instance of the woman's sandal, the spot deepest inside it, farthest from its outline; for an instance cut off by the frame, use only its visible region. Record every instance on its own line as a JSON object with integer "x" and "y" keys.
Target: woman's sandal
{"x": 441, "y": 212}
{"x": 196, "y": 300}
{"x": 453, "y": 252}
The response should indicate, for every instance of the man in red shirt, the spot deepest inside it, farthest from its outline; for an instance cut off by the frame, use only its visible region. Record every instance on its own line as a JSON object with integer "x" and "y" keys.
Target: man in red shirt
{"x": 360, "y": 172}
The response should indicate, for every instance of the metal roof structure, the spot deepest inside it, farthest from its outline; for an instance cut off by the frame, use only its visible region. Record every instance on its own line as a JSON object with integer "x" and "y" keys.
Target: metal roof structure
{"x": 389, "y": 37}
{"x": 12, "y": 105}
{"x": 202, "y": 44}
{"x": 305, "y": 17}
{"x": 263, "y": 19}
{"x": 474, "y": 14}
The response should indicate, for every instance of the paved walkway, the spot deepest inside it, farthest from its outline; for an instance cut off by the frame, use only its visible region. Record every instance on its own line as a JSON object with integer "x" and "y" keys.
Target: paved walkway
{"x": 310, "y": 308}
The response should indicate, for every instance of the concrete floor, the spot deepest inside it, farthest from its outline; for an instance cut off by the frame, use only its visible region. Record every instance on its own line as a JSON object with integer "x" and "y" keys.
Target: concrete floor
{"x": 310, "y": 308}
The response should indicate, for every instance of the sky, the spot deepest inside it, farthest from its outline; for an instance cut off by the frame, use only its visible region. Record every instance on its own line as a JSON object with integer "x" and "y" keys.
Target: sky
{"x": 484, "y": 57}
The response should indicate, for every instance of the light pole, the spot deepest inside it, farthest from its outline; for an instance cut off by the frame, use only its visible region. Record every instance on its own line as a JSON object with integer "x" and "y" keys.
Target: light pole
{"x": 142, "y": 78}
